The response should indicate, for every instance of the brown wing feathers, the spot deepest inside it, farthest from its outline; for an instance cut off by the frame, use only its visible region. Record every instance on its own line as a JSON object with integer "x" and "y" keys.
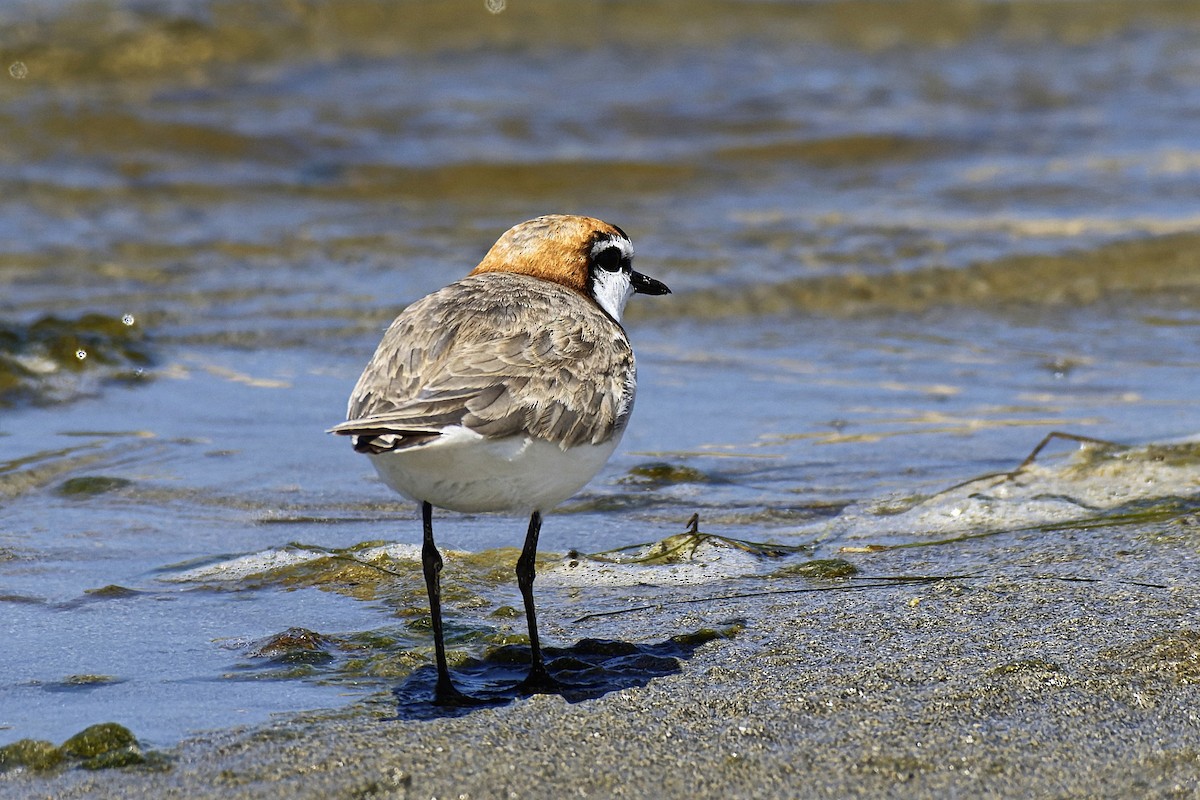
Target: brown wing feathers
{"x": 564, "y": 381}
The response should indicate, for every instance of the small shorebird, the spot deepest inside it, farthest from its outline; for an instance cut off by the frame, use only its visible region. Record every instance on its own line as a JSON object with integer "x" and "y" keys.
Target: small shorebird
{"x": 505, "y": 391}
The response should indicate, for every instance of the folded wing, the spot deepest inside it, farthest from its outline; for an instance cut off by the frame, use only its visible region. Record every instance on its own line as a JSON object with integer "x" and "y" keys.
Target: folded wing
{"x": 467, "y": 356}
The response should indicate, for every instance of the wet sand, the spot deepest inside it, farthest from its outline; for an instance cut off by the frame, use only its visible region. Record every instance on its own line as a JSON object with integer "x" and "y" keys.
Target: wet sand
{"x": 1019, "y": 681}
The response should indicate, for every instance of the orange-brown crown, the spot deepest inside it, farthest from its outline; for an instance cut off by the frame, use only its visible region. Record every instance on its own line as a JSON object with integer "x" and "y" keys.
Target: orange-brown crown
{"x": 555, "y": 247}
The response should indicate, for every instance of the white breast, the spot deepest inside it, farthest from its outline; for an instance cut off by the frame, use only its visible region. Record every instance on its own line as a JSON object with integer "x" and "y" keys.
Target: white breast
{"x": 463, "y": 471}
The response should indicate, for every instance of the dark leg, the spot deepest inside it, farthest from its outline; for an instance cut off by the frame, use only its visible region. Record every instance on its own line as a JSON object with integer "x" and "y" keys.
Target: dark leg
{"x": 431, "y": 562}
{"x": 539, "y": 679}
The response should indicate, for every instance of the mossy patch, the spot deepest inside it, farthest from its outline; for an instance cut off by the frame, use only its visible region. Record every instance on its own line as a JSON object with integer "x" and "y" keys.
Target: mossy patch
{"x": 111, "y": 592}
{"x": 355, "y": 572}
{"x": 87, "y": 486}
{"x": 100, "y": 739}
{"x": 32, "y": 754}
{"x": 103, "y": 746}
{"x": 81, "y": 682}
{"x": 687, "y": 546}
{"x": 817, "y": 569}
{"x": 295, "y": 645}
{"x": 705, "y": 635}
{"x": 660, "y": 473}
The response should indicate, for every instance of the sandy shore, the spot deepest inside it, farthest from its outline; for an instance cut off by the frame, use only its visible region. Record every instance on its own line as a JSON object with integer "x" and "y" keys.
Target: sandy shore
{"x": 1003, "y": 685}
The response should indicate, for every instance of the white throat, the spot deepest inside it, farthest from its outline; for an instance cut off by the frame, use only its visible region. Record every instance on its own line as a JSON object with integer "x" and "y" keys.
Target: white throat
{"x": 611, "y": 287}
{"x": 612, "y": 290}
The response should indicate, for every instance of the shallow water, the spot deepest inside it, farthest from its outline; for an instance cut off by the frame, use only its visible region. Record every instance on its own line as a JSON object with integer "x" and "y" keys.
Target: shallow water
{"x": 906, "y": 240}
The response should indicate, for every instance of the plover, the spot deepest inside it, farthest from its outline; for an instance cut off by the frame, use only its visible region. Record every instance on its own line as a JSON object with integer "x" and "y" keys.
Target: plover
{"x": 505, "y": 391}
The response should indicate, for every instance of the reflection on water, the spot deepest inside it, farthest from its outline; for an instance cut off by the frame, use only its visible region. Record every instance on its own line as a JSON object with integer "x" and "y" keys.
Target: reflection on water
{"x": 52, "y": 359}
{"x": 907, "y": 239}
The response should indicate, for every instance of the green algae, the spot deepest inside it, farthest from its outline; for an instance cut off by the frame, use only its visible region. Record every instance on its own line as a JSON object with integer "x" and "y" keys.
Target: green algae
{"x": 82, "y": 682}
{"x": 296, "y": 653}
{"x": 396, "y": 652}
{"x": 86, "y": 486}
{"x": 100, "y": 739}
{"x": 683, "y": 547}
{"x": 33, "y": 754}
{"x": 368, "y": 571}
{"x": 295, "y": 645}
{"x": 382, "y": 666}
{"x": 1166, "y": 265}
{"x": 44, "y": 469}
{"x": 817, "y": 569}
{"x": 106, "y": 45}
{"x": 706, "y": 635}
{"x": 1181, "y": 454}
{"x": 20, "y": 598}
{"x": 106, "y": 745}
{"x": 382, "y": 654}
{"x": 1150, "y": 511}
{"x": 660, "y": 473}
{"x": 349, "y": 572}
{"x": 111, "y": 592}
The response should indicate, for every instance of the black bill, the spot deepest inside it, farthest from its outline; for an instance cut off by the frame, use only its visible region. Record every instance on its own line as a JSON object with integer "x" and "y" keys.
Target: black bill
{"x": 646, "y": 285}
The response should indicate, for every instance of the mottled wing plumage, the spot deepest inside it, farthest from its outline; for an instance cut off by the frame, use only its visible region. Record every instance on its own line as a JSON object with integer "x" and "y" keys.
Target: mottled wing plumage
{"x": 467, "y": 355}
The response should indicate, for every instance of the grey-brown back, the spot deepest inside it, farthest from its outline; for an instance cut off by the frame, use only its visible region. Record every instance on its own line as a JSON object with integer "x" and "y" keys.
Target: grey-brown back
{"x": 501, "y": 354}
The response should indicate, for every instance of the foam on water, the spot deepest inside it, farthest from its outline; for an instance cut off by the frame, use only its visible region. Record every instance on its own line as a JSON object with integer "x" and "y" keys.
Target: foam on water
{"x": 709, "y": 560}
{"x": 1099, "y": 482}
{"x": 267, "y": 561}
{"x": 1094, "y": 482}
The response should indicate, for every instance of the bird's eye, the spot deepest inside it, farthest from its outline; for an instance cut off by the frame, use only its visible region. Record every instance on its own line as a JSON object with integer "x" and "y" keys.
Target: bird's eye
{"x": 609, "y": 259}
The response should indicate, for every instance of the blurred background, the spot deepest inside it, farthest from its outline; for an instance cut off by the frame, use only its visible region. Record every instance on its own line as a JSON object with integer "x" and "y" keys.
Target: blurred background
{"x": 906, "y": 239}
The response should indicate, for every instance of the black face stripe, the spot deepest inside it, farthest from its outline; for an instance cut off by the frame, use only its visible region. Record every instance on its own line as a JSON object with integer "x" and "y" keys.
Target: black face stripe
{"x": 609, "y": 253}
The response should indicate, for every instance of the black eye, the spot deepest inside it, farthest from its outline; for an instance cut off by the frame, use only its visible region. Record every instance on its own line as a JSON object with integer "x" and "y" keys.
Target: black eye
{"x": 608, "y": 259}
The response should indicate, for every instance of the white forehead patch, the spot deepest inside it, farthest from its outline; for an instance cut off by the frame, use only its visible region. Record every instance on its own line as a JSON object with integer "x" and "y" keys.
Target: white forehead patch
{"x": 617, "y": 241}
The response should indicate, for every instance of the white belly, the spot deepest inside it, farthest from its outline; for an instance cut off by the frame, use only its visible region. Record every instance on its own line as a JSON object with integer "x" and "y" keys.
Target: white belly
{"x": 462, "y": 471}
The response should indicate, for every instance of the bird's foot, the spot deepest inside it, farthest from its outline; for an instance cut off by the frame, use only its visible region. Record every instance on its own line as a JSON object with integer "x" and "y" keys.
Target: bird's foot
{"x": 539, "y": 681}
{"x": 446, "y": 695}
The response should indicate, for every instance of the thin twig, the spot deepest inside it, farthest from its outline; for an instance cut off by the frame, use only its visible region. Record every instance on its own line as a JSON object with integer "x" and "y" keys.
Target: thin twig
{"x": 887, "y": 582}
{"x": 340, "y": 556}
{"x": 1029, "y": 459}
{"x": 881, "y": 582}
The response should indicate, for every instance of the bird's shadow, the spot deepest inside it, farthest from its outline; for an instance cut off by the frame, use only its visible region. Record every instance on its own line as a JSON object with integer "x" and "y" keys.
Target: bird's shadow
{"x": 589, "y": 668}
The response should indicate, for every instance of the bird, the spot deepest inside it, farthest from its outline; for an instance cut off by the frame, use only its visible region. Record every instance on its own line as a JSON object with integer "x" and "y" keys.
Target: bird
{"x": 505, "y": 391}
